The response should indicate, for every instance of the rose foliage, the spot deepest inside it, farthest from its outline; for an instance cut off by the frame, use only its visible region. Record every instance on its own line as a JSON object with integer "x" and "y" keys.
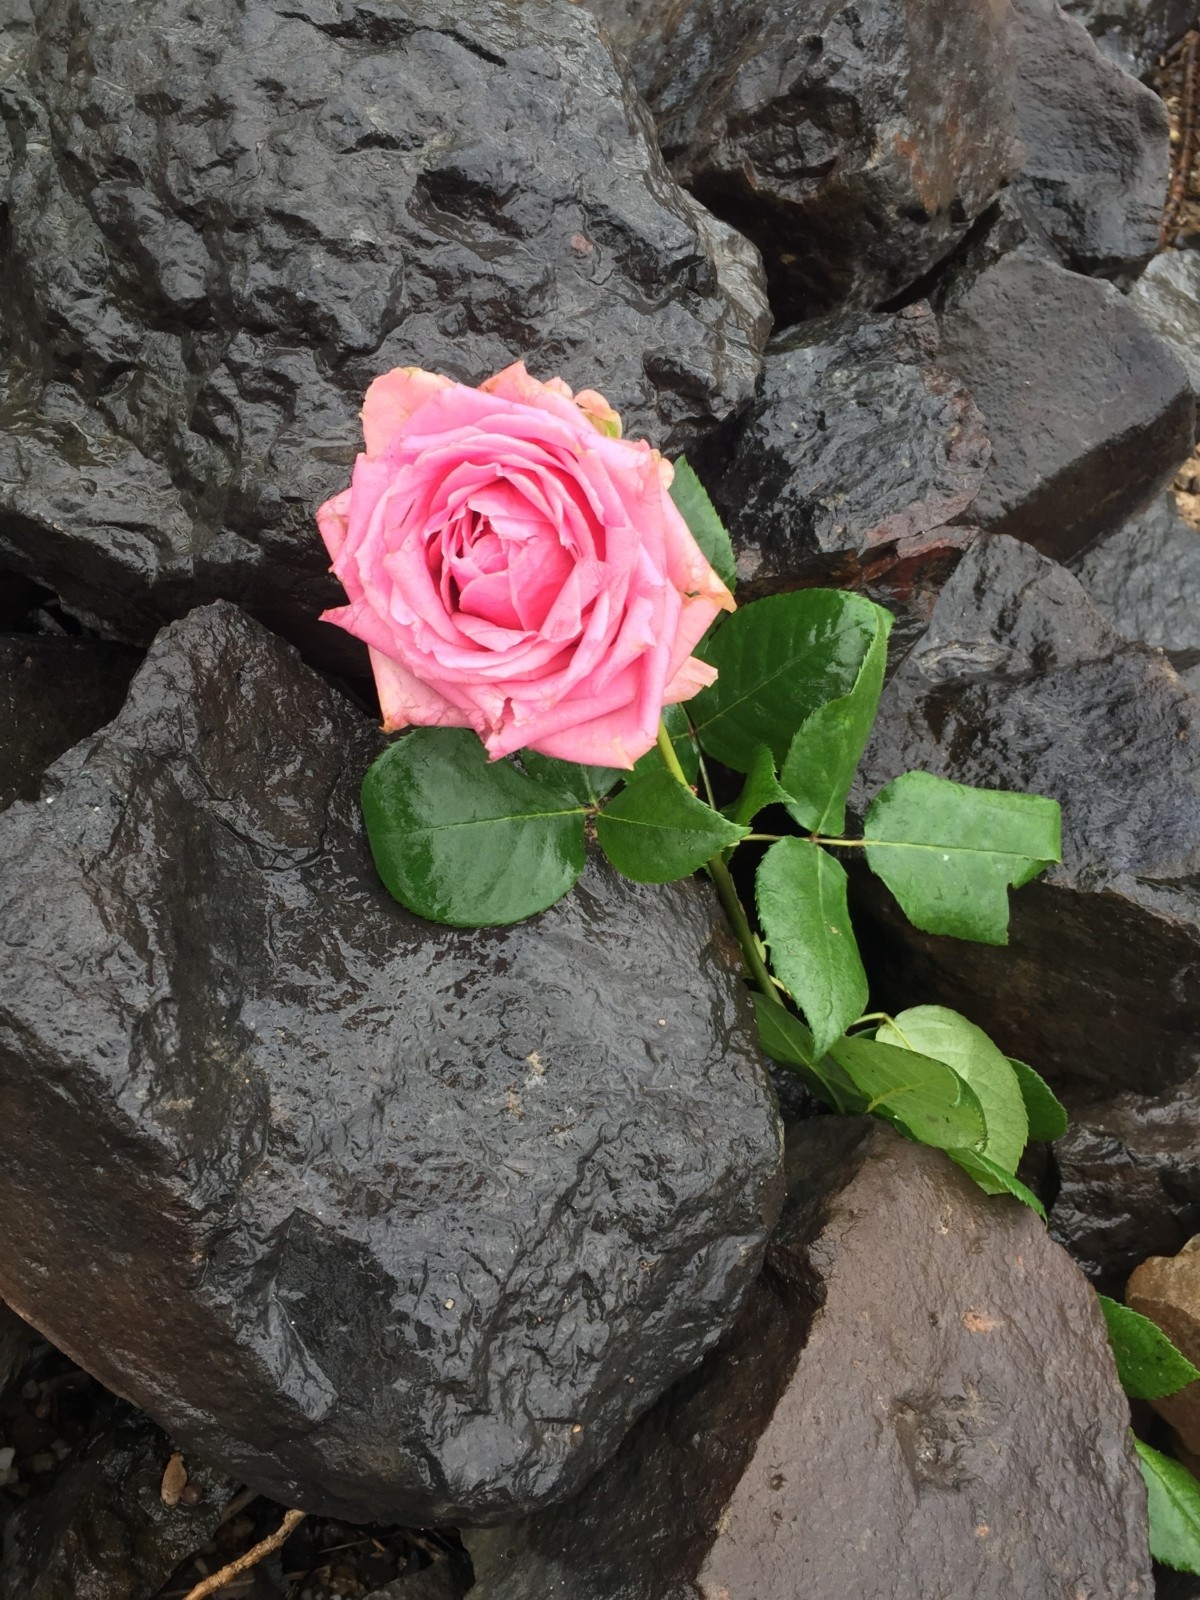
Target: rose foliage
{"x": 545, "y": 605}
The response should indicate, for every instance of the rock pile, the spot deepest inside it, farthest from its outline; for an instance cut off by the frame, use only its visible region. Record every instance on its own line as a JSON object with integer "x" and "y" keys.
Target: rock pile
{"x": 391, "y": 1221}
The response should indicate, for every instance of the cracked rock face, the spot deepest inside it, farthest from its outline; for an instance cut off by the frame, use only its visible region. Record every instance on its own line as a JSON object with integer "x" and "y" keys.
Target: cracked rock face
{"x": 854, "y": 143}
{"x": 1019, "y": 683}
{"x": 919, "y": 1398}
{"x": 222, "y": 222}
{"x": 425, "y": 1219}
{"x": 1133, "y": 32}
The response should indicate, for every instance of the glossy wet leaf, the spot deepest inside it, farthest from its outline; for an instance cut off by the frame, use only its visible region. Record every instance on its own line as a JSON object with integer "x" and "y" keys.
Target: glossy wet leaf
{"x": 684, "y": 745}
{"x": 760, "y": 789}
{"x": 949, "y": 854}
{"x": 1148, "y": 1363}
{"x": 823, "y": 757}
{"x": 995, "y": 1180}
{"x": 656, "y": 831}
{"x": 778, "y": 660}
{"x": 589, "y": 785}
{"x": 698, "y": 511}
{"x": 801, "y": 896}
{"x": 465, "y": 841}
{"x": 946, "y": 1036}
{"x": 925, "y": 1097}
{"x": 1173, "y": 1503}
{"x": 1046, "y": 1112}
{"x": 785, "y": 1039}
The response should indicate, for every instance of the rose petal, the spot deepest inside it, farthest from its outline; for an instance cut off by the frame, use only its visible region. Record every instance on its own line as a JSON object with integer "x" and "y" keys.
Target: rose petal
{"x": 407, "y": 702}
{"x": 392, "y": 399}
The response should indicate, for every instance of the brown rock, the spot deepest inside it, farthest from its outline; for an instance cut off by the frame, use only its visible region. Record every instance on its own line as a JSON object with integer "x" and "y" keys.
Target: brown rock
{"x": 1167, "y": 1290}
{"x": 918, "y": 1399}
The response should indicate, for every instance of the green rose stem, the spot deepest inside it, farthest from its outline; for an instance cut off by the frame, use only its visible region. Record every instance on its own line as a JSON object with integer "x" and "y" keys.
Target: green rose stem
{"x": 723, "y": 883}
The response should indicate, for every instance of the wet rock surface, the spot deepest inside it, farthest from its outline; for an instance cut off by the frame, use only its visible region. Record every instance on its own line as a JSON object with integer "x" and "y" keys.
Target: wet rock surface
{"x": 1088, "y": 412}
{"x": 1145, "y": 579}
{"x": 880, "y": 1372}
{"x": 435, "y": 1215}
{"x": 855, "y": 464}
{"x": 1019, "y": 683}
{"x": 53, "y": 692}
{"x": 1167, "y": 298}
{"x": 854, "y": 144}
{"x": 1168, "y": 1292}
{"x": 1097, "y": 153}
{"x": 103, "y": 1531}
{"x": 1133, "y": 32}
{"x": 1127, "y": 1181}
{"x": 221, "y": 226}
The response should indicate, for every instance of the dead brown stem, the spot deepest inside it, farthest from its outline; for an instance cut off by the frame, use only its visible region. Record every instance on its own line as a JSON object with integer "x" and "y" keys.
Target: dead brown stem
{"x": 251, "y": 1558}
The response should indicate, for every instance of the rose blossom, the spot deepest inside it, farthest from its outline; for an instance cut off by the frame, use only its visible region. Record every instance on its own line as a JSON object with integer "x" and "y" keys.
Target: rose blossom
{"x": 516, "y": 567}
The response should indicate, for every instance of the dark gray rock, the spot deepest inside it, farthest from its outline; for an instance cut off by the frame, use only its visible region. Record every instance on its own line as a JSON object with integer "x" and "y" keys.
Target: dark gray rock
{"x": 1020, "y": 684}
{"x": 16, "y": 1341}
{"x": 1145, "y": 579}
{"x": 854, "y": 464}
{"x": 1097, "y": 151}
{"x": 1167, "y": 298}
{"x": 392, "y": 1221}
{"x": 854, "y": 143}
{"x": 102, "y": 1530}
{"x": 1134, "y": 33}
{"x": 1088, "y": 412}
{"x": 919, "y": 1398}
{"x": 1128, "y": 1182}
{"x": 53, "y": 692}
{"x": 222, "y": 223}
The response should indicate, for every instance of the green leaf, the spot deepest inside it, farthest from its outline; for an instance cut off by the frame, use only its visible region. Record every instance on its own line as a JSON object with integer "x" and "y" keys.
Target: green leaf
{"x": 1173, "y": 1502}
{"x": 1148, "y": 1364}
{"x": 465, "y": 841}
{"x": 949, "y": 853}
{"x": 698, "y": 511}
{"x": 938, "y": 1032}
{"x": 679, "y": 730}
{"x": 778, "y": 660}
{"x": 785, "y": 1039}
{"x": 995, "y": 1180}
{"x": 925, "y": 1097}
{"x": 589, "y": 785}
{"x": 823, "y": 757}
{"x": 801, "y": 895}
{"x": 1046, "y": 1112}
{"x": 760, "y": 789}
{"x": 656, "y": 830}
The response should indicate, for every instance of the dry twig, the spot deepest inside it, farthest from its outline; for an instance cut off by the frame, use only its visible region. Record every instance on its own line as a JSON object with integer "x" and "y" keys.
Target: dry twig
{"x": 1183, "y": 155}
{"x": 251, "y": 1558}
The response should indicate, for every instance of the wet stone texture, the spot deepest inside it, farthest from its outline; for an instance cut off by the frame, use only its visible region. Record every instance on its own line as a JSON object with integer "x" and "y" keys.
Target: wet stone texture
{"x": 1097, "y": 152}
{"x": 426, "y": 1218}
{"x": 854, "y": 143}
{"x": 1133, "y": 32}
{"x": 1088, "y": 412}
{"x": 1167, "y": 298}
{"x": 1145, "y": 579}
{"x": 103, "y": 1531}
{"x": 222, "y": 223}
{"x": 1020, "y": 684}
{"x": 918, "y": 1398}
{"x": 854, "y": 465}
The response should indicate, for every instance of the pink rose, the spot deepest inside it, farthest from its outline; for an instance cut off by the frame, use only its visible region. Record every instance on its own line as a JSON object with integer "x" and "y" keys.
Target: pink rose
{"x": 516, "y": 567}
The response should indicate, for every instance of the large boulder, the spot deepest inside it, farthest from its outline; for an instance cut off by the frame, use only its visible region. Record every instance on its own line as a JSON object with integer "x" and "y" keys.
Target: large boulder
{"x": 855, "y": 143}
{"x": 1020, "y": 684}
{"x": 1097, "y": 150}
{"x": 1088, "y": 412}
{"x": 919, "y": 1398}
{"x": 855, "y": 462}
{"x": 389, "y": 1220}
{"x": 1167, "y": 298}
{"x": 222, "y": 222}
